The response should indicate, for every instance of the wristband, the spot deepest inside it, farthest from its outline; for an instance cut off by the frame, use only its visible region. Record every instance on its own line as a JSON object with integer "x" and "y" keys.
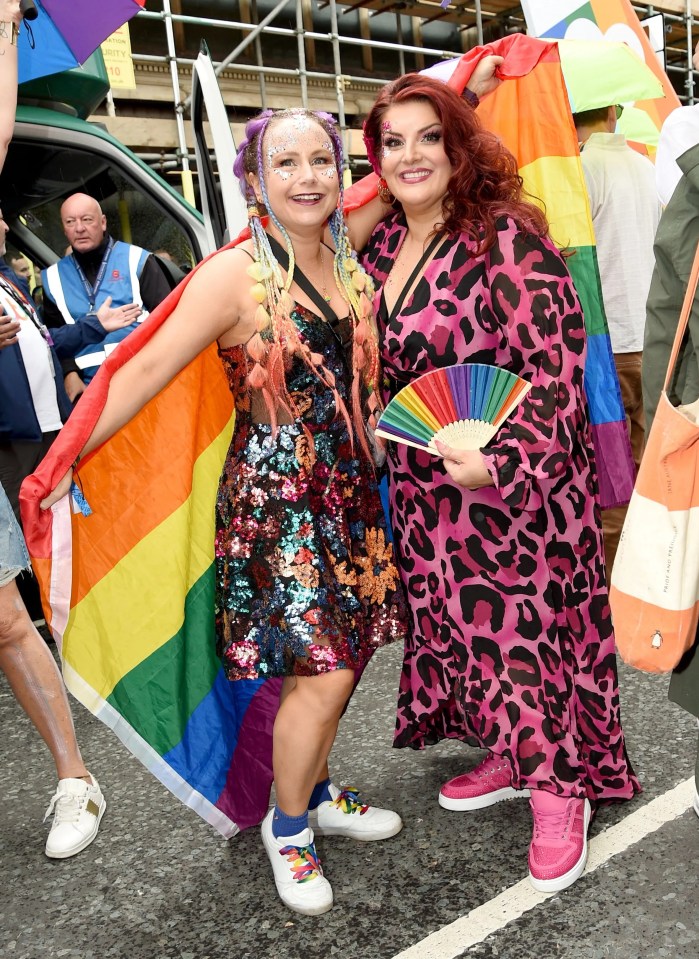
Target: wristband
{"x": 9, "y": 31}
{"x": 470, "y": 97}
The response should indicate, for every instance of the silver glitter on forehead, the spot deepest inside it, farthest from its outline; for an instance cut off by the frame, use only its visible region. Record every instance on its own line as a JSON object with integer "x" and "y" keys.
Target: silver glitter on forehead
{"x": 292, "y": 145}
{"x": 385, "y": 126}
{"x": 293, "y": 140}
{"x": 273, "y": 151}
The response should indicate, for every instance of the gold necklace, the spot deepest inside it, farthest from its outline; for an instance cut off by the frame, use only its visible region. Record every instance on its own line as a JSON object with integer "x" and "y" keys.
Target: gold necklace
{"x": 326, "y": 296}
{"x": 399, "y": 272}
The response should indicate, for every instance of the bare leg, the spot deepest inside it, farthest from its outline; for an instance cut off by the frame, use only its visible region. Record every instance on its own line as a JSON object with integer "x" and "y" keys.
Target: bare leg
{"x": 304, "y": 732}
{"x": 37, "y": 684}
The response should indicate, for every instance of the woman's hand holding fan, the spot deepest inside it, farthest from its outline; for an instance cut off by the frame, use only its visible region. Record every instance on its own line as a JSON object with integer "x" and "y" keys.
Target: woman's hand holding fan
{"x": 461, "y": 406}
{"x": 466, "y": 467}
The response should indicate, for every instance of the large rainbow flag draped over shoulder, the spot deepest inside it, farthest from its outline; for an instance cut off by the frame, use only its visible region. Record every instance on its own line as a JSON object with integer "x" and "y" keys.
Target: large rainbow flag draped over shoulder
{"x": 129, "y": 589}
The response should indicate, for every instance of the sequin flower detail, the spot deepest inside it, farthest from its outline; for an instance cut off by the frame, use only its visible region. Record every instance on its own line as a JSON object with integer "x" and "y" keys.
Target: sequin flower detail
{"x": 378, "y": 575}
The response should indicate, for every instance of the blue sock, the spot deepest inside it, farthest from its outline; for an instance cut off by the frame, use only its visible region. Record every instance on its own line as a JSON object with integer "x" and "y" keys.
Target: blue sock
{"x": 321, "y": 793}
{"x": 283, "y": 825}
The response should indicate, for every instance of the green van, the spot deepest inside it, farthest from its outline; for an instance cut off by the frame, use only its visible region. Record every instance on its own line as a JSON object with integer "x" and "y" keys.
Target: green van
{"x": 55, "y": 152}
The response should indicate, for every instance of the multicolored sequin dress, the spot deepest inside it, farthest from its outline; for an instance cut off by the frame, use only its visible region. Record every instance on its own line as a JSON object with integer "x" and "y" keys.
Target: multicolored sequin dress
{"x": 306, "y": 581}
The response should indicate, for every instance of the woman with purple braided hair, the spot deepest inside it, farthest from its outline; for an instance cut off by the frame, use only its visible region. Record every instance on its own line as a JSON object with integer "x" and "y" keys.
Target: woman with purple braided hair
{"x": 307, "y": 588}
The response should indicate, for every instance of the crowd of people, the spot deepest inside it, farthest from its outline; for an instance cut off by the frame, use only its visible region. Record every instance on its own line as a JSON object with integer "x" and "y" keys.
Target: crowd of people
{"x": 494, "y": 581}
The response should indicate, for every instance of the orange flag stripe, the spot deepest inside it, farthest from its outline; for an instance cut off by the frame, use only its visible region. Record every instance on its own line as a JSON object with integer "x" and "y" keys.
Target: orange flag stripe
{"x": 523, "y": 102}
{"x": 154, "y": 494}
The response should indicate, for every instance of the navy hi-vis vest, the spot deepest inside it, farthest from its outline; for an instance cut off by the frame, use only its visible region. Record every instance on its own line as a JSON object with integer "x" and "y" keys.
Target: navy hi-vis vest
{"x": 63, "y": 284}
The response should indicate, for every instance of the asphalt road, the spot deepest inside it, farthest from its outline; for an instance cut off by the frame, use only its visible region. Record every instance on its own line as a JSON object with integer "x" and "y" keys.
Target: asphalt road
{"x": 158, "y": 883}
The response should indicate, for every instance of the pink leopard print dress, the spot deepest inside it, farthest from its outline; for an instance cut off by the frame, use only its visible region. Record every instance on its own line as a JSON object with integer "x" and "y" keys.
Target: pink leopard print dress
{"x": 511, "y": 646}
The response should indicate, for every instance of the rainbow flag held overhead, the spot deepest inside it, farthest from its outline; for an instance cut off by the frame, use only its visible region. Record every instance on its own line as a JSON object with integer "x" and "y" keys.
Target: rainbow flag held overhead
{"x": 531, "y": 113}
{"x": 129, "y": 590}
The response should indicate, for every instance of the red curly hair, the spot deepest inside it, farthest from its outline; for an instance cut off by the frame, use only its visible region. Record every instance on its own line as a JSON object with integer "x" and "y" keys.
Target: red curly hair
{"x": 485, "y": 184}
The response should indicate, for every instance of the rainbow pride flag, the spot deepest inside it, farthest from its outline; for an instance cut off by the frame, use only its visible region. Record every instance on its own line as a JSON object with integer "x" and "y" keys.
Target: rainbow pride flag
{"x": 129, "y": 590}
{"x": 531, "y": 113}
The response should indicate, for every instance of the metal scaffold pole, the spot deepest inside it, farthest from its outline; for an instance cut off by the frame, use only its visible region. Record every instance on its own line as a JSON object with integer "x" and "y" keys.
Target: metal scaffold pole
{"x": 479, "y": 23}
{"x": 303, "y": 80}
{"x": 339, "y": 86}
{"x": 690, "y": 51}
{"x": 258, "y": 57}
{"x": 254, "y": 33}
{"x": 187, "y": 184}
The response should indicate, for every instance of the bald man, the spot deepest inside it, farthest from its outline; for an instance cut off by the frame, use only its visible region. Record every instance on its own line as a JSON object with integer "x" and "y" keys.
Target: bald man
{"x": 100, "y": 278}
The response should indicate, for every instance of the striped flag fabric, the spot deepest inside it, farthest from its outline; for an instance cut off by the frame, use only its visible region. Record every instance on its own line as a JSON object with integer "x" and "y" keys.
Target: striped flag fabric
{"x": 129, "y": 590}
{"x": 531, "y": 113}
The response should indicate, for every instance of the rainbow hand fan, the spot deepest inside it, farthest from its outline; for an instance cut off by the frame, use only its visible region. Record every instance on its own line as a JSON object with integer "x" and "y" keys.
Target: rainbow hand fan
{"x": 462, "y": 406}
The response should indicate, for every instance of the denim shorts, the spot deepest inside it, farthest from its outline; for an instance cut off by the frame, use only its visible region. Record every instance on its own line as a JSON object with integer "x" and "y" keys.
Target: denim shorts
{"x": 13, "y": 552}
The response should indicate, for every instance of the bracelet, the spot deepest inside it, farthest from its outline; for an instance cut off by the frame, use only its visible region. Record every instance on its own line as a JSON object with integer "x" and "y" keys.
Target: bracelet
{"x": 471, "y": 98}
{"x": 7, "y": 31}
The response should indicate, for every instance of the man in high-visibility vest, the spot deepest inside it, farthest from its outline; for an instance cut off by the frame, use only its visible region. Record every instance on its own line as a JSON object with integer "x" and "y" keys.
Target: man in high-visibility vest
{"x": 99, "y": 277}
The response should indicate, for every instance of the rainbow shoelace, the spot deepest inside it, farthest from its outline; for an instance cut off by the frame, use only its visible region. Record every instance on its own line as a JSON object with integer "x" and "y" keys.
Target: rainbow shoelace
{"x": 304, "y": 862}
{"x": 348, "y": 802}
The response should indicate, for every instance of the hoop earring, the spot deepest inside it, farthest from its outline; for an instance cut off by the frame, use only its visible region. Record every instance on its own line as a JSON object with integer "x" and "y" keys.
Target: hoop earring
{"x": 385, "y": 194}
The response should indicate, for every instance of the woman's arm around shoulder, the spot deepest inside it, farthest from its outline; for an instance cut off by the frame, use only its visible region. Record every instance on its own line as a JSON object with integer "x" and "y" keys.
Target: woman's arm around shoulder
{"x": 213, "y": 305}
{"x": 362, "y": 222}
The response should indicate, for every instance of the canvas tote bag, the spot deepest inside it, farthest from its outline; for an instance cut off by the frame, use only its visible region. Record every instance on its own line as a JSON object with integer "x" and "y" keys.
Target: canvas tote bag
{"x": 654, "y": 592}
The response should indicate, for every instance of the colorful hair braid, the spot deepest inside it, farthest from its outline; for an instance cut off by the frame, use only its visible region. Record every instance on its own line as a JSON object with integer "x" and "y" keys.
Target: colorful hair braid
{"x": 267, "y": 353}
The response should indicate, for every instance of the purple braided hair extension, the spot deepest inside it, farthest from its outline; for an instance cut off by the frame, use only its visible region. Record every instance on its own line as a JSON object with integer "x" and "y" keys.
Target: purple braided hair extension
{"x": 257, "y": 125}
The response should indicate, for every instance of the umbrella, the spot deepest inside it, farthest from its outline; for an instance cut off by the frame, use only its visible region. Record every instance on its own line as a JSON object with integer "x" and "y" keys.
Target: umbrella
{"x": 599, "y": 73}
{"x": 66, "y": 32}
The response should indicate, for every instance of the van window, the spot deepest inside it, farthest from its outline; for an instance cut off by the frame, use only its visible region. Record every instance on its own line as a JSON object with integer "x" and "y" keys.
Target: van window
{"x": 38, "y": 177}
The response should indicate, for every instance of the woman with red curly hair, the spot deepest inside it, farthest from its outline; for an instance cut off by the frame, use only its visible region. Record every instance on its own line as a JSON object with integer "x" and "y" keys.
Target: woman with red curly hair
{"x": 500, "y": 549}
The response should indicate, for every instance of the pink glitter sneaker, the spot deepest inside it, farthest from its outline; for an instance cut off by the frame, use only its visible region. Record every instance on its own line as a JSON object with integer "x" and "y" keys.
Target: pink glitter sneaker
{"x": 488, "y": 783}
{"x": 558, "y": 850}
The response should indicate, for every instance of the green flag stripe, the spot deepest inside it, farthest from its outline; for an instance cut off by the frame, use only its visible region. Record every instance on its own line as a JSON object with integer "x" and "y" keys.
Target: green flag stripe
{"x": 183, "y": 663}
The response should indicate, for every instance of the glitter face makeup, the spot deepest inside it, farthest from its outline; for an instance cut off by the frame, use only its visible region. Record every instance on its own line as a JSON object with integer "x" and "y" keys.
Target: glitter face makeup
{"x": 300, "y": 171}
{"x": 414, "y": 163}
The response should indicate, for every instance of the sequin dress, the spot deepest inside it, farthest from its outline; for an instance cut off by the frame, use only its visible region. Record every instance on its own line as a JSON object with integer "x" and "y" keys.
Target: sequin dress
{"x": 306, "y": 581}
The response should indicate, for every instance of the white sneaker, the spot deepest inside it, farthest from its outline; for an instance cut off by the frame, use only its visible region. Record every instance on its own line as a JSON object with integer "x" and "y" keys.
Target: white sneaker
{"x": 78, "y": 809}
{"x": 298, "y": 874}
{"x": 344, "y": 815}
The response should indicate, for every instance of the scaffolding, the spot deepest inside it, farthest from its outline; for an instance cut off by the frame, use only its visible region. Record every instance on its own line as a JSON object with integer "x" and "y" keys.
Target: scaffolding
{"x": 349, "y": 30}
